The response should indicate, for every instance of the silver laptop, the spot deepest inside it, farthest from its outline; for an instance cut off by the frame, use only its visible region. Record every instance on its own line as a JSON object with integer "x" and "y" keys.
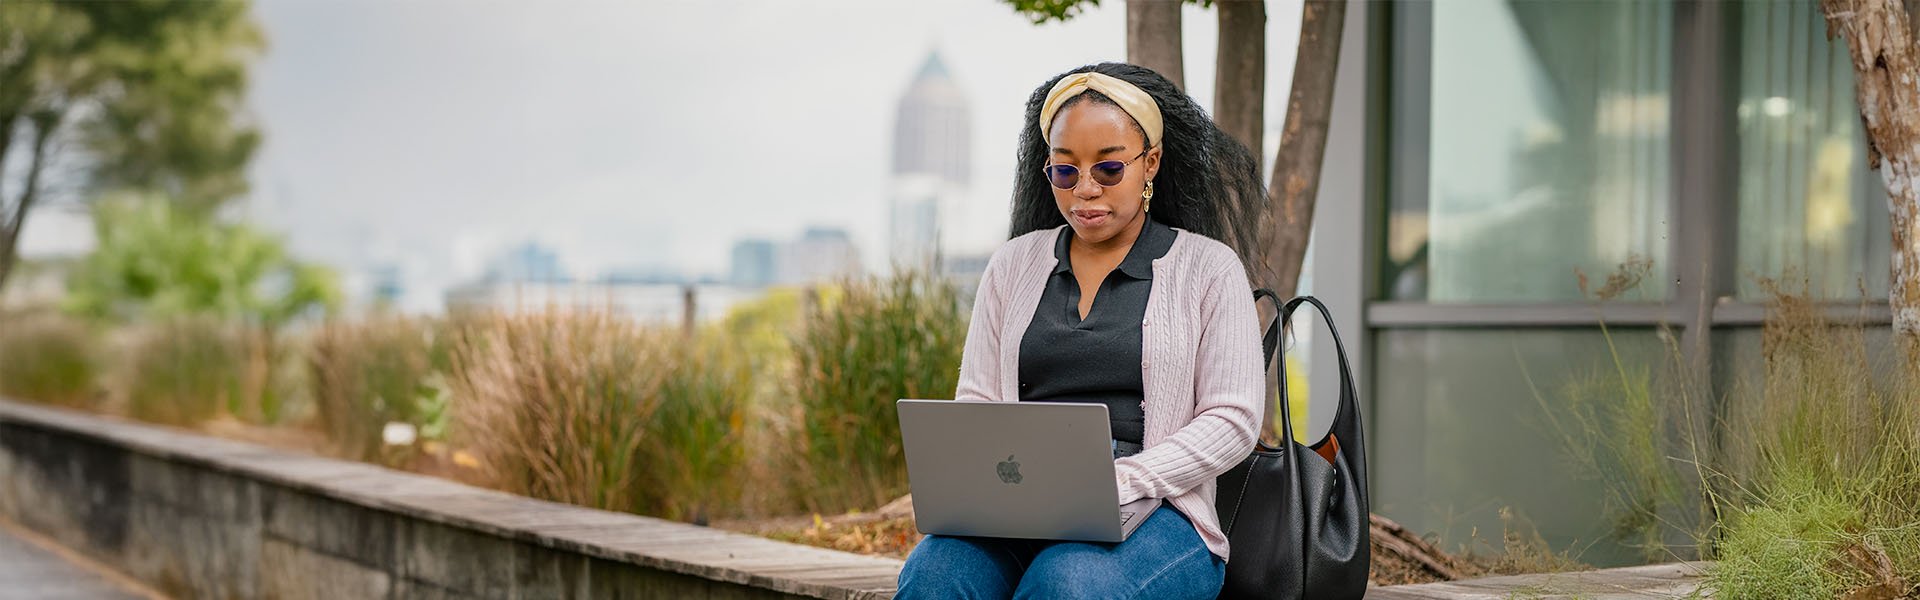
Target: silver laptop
{"x": 1038, "y": 470}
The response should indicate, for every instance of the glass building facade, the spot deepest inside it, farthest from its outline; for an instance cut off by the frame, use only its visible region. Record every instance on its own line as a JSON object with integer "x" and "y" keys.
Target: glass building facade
{"x": 1493, "y": 162}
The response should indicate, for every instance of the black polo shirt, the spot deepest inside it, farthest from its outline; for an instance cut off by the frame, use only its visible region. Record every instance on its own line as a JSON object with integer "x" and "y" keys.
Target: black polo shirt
{"x": 1066, "y": 359}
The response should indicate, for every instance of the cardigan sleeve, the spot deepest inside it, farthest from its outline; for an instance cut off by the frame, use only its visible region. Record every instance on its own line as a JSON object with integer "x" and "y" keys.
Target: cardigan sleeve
{"x": 980, "y": 357}
{"x": 1228, "y": 384}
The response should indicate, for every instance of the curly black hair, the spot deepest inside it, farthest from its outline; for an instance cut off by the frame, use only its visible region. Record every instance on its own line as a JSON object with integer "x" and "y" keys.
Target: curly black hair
{"x": 1209, "y": 183}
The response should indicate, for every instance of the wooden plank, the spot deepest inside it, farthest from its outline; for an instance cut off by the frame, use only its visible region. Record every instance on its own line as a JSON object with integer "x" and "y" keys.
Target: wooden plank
{"x": 1648, "y": 581}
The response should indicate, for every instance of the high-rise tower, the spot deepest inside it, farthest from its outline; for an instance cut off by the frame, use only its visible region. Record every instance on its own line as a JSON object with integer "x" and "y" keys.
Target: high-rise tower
{"x": 932, "y": 153}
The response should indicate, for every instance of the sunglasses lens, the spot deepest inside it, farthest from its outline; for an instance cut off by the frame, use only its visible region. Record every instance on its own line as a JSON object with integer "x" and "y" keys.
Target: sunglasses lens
{"x": 1108, "y": 172}
{"x": 1063, "y": 176}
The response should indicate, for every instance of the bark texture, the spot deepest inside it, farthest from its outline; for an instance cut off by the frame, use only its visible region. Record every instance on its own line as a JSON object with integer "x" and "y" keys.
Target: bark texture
{"x": 1153, "y": 38}
{"x": 1303, "y": 143}
{"x": 1240, "y": 61}
{"x": 1880, "y": 39}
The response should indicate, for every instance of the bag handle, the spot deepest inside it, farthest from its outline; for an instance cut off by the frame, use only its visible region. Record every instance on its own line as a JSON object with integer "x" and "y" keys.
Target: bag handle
{"x": 1346, "y": 418}
{"x": 1269, "y": 346}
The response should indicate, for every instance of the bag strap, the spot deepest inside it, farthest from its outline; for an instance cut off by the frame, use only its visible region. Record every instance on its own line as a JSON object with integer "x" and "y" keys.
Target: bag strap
{"x": 1270, "y": 339}
{"x": 1269, "y": 343}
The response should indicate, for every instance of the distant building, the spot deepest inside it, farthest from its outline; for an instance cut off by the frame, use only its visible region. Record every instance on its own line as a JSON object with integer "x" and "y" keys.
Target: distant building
{"x": 932, "y": 146}
{"x": 387, "y": 284}
{"x": 755, "y": 263}
{"x": 530, "y": 278}
{"x": 644, "y": 275}
{"x": 964, "y": 271}
{"x": 527, "y": 263}
{"x": 821, "y": 253}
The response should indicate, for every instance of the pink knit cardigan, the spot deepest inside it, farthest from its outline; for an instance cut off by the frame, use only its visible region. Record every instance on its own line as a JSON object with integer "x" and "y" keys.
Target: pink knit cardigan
{"x": 1200, "y": 362}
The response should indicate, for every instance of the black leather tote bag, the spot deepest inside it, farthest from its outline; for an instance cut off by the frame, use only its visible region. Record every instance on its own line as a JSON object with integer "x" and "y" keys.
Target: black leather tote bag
{"x": 1296, "y": 518}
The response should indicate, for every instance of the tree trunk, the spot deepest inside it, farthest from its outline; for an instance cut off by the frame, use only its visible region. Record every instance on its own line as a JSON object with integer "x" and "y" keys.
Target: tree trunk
{"x": 43, "y": 126}
{"x": 1880, "y": 39}
{"x": 1240, "y": 86}
{"x": 1153, "y": 38}
{"x": 1303, "y": 141}
{"x": 7, "y": 124}
{"x": 1296, "y": 168}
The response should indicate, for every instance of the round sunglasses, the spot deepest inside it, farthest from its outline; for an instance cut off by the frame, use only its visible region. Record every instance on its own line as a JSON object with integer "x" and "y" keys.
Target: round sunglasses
{"x": 1107, "y": 173}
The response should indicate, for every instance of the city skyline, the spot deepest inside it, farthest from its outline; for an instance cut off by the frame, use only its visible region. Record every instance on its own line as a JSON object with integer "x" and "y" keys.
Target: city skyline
{"x": 395, "y": 143}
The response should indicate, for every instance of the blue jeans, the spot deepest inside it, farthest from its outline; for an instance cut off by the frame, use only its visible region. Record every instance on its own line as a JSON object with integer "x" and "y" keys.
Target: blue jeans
{"x": 1164, "y": 559}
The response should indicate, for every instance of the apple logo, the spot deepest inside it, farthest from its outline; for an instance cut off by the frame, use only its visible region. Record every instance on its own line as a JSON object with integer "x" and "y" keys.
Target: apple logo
{"x": 1009, "y": 470}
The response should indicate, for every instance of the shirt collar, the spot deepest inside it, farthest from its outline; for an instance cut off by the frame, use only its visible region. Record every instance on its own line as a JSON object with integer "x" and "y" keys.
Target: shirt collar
{"x": 1139, "y": 261}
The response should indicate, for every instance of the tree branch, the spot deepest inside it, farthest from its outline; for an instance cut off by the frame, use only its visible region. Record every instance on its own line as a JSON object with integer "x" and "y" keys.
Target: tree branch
{"x": 44, "y": 124}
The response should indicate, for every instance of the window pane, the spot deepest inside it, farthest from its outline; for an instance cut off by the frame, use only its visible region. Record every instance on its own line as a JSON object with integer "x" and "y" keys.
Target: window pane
{"x": 1460, "y": 433}
{"x": 1807, "y": 200}
{"x": 1548, "y": 152}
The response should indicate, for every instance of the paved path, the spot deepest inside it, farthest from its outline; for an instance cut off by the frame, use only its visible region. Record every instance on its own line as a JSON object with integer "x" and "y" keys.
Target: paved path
{"x": 30, "y": 572}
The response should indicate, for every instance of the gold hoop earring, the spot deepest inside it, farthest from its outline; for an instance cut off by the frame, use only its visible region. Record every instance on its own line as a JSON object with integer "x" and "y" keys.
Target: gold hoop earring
{"x": 1146, "y": 198}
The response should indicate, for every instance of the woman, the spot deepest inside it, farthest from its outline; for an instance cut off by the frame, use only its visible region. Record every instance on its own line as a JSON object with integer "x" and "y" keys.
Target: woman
{"x": 1123, "y": 187}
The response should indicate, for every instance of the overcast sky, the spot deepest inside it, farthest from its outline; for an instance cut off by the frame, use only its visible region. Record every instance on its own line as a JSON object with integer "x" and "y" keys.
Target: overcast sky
{"x": 435, "y": 134}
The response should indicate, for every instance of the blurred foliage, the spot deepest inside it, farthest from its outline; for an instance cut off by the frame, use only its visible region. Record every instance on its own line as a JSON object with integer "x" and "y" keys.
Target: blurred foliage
{"x": 154, "y": 89}
{"x": 48, "y": 358}
{"x": 135, "y": 95}
{"x": 367, "y": 374}
{"x": 1297, "y": 399}
{"x": 700, "y": 433}
{"x": 1043, "y": 11}
{"x": 153, "y": 261}
{"x": 190, "y": 369}
{"x": 879, "y": 341}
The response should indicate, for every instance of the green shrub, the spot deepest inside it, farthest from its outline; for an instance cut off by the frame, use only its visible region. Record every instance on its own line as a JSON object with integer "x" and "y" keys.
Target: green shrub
{"x": 700, "y": 432}
{"x": 878, "y": 341}
{"x": 47, "y": 358}
{"x": 1811, "y": 486}
{"x": 153, "y": 261}
{"x": 1819, "y": 486}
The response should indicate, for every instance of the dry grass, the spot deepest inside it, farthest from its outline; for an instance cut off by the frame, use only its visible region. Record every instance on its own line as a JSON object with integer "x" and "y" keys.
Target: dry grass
{"x": 785, "y": 407}
{"x": 556, "y": 404}
{"x": 366, "y": 374}
{"x": 894, "y": 537}
{"x": 188, "y": 370}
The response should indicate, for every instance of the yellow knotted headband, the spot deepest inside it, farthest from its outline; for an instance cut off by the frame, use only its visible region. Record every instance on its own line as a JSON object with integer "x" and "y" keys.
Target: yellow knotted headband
{"x": 1130, "y": 98}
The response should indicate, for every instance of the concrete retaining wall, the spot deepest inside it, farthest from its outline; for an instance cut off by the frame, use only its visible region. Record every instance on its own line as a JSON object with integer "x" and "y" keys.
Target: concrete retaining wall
{"x": 200, "y": 517}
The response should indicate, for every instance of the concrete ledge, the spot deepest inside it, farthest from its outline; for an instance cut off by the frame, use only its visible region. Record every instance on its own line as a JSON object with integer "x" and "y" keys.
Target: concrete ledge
{"x": 202, "y": 517}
